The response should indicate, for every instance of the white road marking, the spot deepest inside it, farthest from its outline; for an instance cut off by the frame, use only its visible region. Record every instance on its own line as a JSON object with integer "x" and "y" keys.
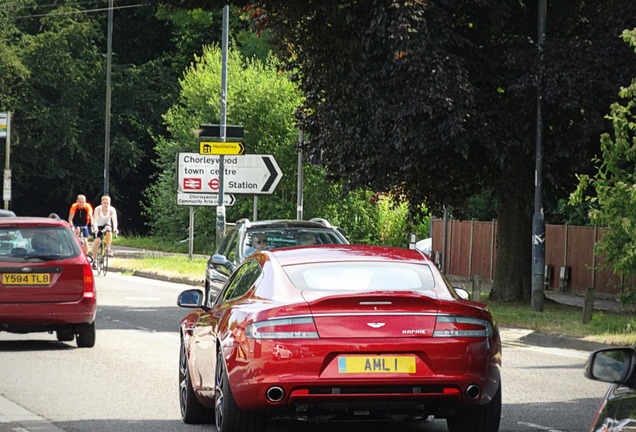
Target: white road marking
{"x": 143, "y": 298}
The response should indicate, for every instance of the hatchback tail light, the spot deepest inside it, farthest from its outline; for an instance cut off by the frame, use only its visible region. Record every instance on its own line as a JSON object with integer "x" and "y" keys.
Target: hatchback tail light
{"x": 461, "y": 326}
{"x": 89, "y": 281}
{"x": 283, "y": 328}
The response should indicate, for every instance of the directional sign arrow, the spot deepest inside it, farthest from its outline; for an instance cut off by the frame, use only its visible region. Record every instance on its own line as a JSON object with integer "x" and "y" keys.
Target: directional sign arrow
{"x": 247, "y": 174}
{"x": 274, "y": 172}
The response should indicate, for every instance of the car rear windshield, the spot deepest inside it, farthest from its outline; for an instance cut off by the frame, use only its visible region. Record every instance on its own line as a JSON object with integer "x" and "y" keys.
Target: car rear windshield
{"x": 286, "y": 237}
{"x": 23, "y": 244}
{"x": 361, "y": 276}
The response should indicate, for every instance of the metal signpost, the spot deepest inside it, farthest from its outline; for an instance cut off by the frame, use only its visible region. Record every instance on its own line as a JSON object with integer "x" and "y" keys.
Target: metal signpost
{"x": 220, "y": 209}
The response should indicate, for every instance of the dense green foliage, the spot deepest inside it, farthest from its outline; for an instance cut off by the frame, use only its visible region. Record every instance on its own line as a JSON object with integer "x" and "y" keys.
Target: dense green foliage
{"x": 432, "y": 103}
{"x": 262, "y": 100}
{"x": 53, "y": 81}
{"x": 437, "y": 100}
{"x": 612, "y": 189}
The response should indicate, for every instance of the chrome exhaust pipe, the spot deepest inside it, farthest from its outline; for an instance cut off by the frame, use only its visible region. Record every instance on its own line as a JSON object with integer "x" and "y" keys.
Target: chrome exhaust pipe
{"x": 472, "y": 392}
{"x": 275, "y": 394}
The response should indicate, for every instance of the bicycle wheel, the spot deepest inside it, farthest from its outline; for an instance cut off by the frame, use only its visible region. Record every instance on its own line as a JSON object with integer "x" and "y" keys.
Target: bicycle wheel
{"x": 100, "y": 259}
{"x": 105, "y": 262}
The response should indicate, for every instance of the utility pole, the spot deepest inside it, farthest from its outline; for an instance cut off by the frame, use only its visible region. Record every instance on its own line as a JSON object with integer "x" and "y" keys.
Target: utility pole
{"x": 538, "y": 220}
{"x": 109, "y": 59}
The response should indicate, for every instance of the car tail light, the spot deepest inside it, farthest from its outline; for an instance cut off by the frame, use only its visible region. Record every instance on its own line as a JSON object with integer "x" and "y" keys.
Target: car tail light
{"x": 283, "y": 328}
{"x": 461, "y": 326}
{"x": 89, "y": 281}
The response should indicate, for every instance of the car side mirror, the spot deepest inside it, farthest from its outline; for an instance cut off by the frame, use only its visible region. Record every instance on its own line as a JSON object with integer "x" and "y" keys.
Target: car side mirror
{"x": 221, "y": 260}
{"x": 612, "y": 365}
{"x": 192, "y": 298}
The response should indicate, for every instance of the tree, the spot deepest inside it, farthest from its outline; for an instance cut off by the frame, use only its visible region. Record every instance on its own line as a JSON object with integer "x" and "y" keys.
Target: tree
{"x": 612, "y": 189}
{"x": 13, "y": 73}
{"x": 260, "y": 99}
{"x": 52, "y": 115}
{"x": 52, "y": 77}
{"x": 437, "y": 100}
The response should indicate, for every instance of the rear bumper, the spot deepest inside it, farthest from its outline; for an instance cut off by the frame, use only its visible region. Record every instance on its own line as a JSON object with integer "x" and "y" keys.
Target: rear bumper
{"x": 450, "y": 375}
{"x": 28, "y": 317}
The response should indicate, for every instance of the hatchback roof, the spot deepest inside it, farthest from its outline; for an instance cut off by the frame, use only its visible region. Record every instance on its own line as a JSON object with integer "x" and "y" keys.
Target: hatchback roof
{"x": 32, "y": 220}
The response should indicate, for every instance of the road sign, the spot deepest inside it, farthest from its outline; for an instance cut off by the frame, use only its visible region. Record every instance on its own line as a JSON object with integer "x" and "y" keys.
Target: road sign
{"x": 3, "y": 124}
{"x": 221, "y": 148}
{"x": 232, "y": 132}
{"x": 6, "y": 186}
{"x": 248, "y": 174}
{"x": 199, "y": 199}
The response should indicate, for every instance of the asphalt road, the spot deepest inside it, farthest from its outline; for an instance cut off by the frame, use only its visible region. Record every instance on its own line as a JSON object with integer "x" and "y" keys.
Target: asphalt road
{"x": 128, "y": 382}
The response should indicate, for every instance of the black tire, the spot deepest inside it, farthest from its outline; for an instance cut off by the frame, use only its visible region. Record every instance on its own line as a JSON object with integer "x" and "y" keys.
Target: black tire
{"x": 228, "y": 417}
{"x": 99, "y": 262}
{"x": 192, "y": 411}
{"x": 105, "y": 264}
{"x": 484, "y": 418}
{"x": 66, "y": 335}
{"x": 86, "y": 335}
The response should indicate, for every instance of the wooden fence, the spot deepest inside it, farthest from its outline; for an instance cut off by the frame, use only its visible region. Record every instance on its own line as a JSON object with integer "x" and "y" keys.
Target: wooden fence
{"x": 571, "y": 264}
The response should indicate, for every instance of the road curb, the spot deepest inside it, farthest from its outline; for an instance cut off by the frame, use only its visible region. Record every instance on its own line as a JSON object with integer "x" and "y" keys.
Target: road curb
{"x": 13, "y": 418}
{"x": 156, "y": 276}
{"x": 532, "y": 338}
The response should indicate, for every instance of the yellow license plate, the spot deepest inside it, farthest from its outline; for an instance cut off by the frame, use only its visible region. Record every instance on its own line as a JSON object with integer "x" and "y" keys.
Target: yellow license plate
{"x": 376, "y": 364}
{"x": 26, "y": 278}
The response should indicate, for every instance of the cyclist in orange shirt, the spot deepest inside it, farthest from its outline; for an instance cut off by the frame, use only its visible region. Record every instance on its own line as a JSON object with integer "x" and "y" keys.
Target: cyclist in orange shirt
{"x": 80, "y": 218}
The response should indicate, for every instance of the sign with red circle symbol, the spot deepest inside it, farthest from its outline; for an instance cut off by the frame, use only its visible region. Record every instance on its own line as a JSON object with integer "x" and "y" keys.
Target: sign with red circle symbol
{"x": 214, "y": 184}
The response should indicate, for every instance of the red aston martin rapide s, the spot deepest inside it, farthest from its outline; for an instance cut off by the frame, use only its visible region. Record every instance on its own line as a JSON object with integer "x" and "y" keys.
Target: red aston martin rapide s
{"x": 338, "y": 332}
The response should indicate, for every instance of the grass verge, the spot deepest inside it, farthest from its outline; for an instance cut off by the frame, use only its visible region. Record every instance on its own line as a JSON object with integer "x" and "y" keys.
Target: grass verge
{"x": 564, "y": 320}
{"x": 556, "y": 319}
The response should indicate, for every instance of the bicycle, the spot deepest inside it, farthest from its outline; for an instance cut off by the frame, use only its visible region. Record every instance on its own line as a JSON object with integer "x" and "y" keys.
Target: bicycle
{"x": 83, "y": 241}
{"x": 101, "y": 260}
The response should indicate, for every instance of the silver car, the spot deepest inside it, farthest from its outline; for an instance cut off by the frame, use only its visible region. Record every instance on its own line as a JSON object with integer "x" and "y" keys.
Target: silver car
{"x": 245, "y": 237}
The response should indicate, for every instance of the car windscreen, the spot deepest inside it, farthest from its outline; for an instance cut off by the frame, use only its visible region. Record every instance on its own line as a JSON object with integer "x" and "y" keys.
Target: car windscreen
{"x": 361, "y": 276}
{"x": 24, "y": 243}
{"x": 285, "y": 237}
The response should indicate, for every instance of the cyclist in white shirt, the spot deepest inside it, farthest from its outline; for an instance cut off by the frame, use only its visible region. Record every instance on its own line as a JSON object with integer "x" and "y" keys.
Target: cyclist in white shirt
{"x": 104, "y": 224}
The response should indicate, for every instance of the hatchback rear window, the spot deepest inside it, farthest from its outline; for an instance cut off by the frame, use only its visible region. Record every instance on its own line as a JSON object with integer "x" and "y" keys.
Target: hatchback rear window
{"x": 17, "y": 244}
{"x": 361, "y": 276}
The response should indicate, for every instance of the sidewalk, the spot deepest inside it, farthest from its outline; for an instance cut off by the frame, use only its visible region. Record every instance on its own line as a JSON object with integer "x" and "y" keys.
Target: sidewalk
{"x": 571, "y": 299}
{"x": 14, "y": 418}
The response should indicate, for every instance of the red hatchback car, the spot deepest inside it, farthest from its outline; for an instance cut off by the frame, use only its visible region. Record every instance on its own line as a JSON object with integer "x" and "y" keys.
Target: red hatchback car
{"x": 338, "y": 332}
{"x": 46, "y": 281}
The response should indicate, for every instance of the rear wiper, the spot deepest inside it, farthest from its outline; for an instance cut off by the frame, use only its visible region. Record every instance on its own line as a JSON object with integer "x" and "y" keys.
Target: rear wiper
{"x": 42, "y": 256}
